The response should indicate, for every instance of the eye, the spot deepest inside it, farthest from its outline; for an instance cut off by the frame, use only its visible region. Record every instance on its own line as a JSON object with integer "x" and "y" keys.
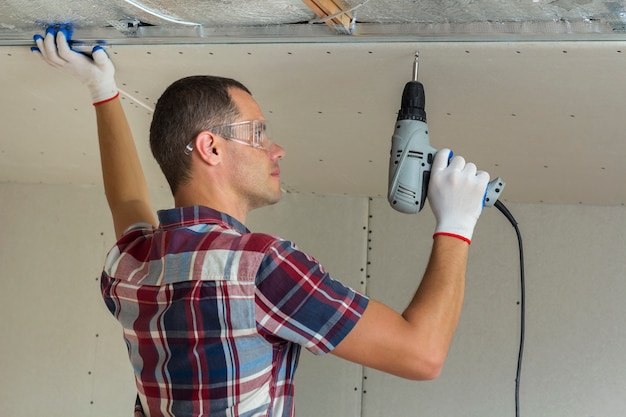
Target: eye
{"x": 259, "y": 132}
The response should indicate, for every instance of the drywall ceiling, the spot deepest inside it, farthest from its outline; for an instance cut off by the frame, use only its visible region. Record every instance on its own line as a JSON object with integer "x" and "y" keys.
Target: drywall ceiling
{"x": 531, "y": 91}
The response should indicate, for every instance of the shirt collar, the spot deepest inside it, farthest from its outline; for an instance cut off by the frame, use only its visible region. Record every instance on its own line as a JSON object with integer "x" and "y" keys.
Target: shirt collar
{"x": 187, "y": 216}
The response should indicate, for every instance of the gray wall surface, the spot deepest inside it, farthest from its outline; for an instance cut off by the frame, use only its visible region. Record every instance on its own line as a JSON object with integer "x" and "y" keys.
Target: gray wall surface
{"x": 63, "y": 354}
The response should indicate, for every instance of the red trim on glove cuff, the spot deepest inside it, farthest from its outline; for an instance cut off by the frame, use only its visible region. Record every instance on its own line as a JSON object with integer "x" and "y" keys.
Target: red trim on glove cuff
{"x": 463, "y": 238}
{"x": 108, "y": 99}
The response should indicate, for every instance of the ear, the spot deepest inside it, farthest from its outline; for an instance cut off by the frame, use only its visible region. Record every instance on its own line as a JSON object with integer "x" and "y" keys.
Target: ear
{"x": 206, "y": 146}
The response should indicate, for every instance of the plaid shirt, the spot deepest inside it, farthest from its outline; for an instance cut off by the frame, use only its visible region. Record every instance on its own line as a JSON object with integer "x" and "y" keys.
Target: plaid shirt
{"x": 214, "y": 316}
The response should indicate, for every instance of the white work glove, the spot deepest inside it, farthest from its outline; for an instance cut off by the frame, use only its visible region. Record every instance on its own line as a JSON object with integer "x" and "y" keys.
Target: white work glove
{"x": 456, "y": 194}
{"x": 96, "y": 72}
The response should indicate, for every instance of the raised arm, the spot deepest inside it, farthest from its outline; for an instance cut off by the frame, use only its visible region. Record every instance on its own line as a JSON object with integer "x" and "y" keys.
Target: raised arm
{"x": 415, "y": 344}
{"x": 124, "y": 182}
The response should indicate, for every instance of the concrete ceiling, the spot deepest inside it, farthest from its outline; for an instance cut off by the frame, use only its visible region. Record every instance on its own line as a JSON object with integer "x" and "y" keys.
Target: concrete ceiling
{"x": 533, "y": 91}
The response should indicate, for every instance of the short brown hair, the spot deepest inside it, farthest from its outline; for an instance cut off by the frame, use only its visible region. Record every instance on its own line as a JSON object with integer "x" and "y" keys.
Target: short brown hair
{"x": 187, "y": 107}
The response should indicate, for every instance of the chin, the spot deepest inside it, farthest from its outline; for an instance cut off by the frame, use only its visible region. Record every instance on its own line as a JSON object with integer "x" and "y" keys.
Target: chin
{"x": 276, "y": 198}
{"x": 267, "y": 200}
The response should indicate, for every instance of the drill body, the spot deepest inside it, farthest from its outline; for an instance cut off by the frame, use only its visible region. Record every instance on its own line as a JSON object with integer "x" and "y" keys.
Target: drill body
{"x": 411, "y": 153}
{"x": 412, "y": 156}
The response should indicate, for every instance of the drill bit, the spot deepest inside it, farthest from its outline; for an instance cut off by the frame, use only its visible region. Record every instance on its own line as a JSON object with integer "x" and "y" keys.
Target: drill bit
{"x": 415, "y": 66}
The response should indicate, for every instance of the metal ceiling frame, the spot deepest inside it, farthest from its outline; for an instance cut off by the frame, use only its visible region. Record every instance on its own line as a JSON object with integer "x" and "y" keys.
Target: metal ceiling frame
{"x": 320, "y": 33}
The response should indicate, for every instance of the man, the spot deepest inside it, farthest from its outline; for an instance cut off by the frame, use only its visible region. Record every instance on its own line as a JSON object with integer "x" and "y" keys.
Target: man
{"x": 214, "y": 315}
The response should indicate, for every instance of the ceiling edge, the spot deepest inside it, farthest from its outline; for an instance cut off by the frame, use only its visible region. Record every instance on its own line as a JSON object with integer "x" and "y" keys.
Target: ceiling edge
{"x": 319, "y": 33}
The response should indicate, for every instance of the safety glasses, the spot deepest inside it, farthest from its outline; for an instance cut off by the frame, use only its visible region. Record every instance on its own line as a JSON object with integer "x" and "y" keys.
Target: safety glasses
{"x": 253, "y": 133}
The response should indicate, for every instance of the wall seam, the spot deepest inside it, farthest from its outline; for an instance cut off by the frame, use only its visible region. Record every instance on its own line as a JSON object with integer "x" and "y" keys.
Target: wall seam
{"x": 365, "y": 287}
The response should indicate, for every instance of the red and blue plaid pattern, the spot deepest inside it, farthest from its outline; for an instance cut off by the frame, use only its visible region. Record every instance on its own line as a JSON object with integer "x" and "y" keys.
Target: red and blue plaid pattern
{"x": 214, "y": 316}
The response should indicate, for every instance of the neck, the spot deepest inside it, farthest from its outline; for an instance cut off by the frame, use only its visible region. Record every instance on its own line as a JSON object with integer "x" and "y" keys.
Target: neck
{"x": 188, "y": 195}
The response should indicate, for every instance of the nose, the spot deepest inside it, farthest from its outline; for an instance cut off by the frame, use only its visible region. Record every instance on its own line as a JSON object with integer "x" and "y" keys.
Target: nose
{"x": 277, "y": 151}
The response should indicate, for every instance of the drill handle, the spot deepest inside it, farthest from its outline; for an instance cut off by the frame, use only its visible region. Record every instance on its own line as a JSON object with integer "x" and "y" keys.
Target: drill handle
{"x": 494, "y": 189}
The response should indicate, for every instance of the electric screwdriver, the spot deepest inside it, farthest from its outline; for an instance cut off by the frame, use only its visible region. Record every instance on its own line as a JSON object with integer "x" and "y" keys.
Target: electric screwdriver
{"x": 412, "y": 155}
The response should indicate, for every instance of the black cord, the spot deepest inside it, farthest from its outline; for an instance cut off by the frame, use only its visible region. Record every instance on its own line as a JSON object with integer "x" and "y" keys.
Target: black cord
{"x": 510, "y": 217}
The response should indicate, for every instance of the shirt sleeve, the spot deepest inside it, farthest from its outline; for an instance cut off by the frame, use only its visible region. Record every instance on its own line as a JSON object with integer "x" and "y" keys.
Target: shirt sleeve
{"x": 137, "y": 226}
{"x": 296, "y": 300}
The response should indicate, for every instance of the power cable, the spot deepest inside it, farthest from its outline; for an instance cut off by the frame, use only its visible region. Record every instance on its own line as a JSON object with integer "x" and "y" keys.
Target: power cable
{"x": 160, "y": 15}
{"x": 500, "y": 206}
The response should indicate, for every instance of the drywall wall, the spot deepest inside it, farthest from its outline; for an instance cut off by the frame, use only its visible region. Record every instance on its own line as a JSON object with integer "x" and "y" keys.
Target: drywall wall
{"x": 575, "y": 335}
{"x": 63, "y": 355}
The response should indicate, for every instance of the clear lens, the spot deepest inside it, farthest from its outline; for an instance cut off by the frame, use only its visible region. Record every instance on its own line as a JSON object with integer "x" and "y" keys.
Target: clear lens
{"x": 254, "y": 133}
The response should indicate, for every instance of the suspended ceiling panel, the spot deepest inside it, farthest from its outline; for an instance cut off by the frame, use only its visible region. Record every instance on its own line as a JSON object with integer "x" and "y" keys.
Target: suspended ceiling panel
{"x": 548, "y": 117}
{"x": 531, "y": 90}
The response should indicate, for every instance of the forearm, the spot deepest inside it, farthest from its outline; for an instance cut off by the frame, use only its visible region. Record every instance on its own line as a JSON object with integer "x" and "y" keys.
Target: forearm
{"x": 124, "y": 181}
{"x": 415, "y": 344}
{"x": 435, "y": 309}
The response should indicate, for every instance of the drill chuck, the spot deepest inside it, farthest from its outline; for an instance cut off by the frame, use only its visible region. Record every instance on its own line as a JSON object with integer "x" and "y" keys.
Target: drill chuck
{"x": 413, "y": 102}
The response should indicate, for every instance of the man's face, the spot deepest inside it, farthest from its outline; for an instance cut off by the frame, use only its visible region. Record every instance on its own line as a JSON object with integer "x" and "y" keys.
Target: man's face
{"x": 255, "y": 172}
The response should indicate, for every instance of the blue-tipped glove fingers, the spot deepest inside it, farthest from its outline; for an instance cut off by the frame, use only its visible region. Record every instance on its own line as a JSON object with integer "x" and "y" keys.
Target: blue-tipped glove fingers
{"x": 96, "y": 72}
